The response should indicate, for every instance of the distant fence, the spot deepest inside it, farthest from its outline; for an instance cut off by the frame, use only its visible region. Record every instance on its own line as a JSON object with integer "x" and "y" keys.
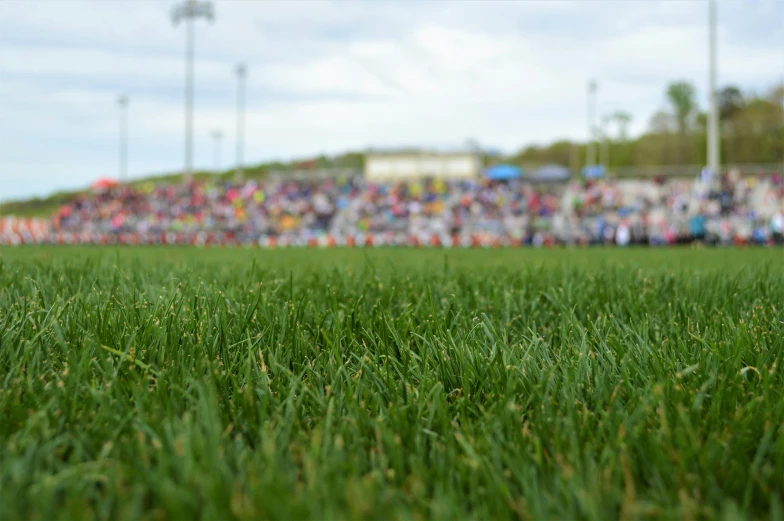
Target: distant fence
{"x": 669, "y": 171}
{"x": 640, "y": 172}
{"x": 646, "y": 172}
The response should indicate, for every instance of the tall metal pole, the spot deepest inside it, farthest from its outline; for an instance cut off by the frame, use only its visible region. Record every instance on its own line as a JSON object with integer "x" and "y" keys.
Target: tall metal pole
{"x": 241, "y": 74}
{"x": 188, "y": 173}
{"x": 605, "y": 146}
{"x": 188, "y": 11}
{"x": 590, "y": 155}
{"x": 122, "y": 102}
{"x": 217, "y": 135}
{"x": 714, "y": 155}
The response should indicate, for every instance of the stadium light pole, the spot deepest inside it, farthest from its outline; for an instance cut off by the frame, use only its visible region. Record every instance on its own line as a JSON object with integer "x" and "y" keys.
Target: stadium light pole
{"x": 605, "y": 146}
{"x": 241, "y": 75}
{"x": 122, "y": 103}
{"x": 189, "y": 11}
{"x": 714, "y": 155}
{"x": 217, "y": 135}
{"x": 590, "y": 153}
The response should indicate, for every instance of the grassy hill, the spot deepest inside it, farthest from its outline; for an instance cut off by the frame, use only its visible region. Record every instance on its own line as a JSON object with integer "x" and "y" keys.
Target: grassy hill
{"x": 46, "y": 206}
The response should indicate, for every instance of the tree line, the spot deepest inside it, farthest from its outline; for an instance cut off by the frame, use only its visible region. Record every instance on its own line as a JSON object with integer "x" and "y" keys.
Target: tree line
{"x": 751, "y": 125}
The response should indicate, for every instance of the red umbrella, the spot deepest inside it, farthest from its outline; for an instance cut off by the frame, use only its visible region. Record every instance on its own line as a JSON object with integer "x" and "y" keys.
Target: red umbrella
{"x": 105, "y": 183}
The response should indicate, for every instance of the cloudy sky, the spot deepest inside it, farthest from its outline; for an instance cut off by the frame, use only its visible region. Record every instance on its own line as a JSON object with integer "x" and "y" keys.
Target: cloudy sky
{"x": 324, "y": 77}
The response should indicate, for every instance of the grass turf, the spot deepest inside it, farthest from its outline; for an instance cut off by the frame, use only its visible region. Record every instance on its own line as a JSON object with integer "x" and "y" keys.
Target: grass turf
{"x": 391, "y": 384}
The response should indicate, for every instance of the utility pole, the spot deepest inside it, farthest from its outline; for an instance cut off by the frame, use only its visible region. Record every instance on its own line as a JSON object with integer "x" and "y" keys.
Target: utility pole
{"x": 590, "y": 155}
{"x": 241, "y": 74}
{"x": 217, "y": 135}
{"x": 122, "y": 102}
{"x": 714, "y": 155}
{"x": 605, "y": 150}
{"x": 190, "y": 10}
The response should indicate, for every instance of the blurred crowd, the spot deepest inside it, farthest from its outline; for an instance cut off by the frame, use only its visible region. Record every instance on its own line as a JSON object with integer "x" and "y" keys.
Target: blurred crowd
{"x": 729, "y": 210}
{"x": 732, "y": 209}
{"x": 202, "y": 212}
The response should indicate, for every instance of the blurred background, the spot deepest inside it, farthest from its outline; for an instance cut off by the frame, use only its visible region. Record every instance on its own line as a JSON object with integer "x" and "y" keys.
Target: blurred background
{"x": 169, "y": 91}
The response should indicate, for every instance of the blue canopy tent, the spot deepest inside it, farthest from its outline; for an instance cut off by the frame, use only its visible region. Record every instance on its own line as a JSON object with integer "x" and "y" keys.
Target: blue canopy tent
{"x": 593, "y": 171}
{"x": 551, "y": 173}
{"x": 503, "y": 172}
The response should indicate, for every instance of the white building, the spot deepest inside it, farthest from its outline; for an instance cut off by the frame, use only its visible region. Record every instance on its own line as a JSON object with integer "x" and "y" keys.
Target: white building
{"x": 399, "y": 166}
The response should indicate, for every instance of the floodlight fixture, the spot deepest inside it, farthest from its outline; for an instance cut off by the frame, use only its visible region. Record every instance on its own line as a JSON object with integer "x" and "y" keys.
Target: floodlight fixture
{"x": 241, "y": 72}
{"x": 714, "y": 140}
{"x": 187, "y": 12}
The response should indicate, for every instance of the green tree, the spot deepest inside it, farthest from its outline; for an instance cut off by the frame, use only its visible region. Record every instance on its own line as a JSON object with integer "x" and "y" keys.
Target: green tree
{"x": 730, "y": 102}
{"x": 560, "y": 152}
{"x": 757, "y": 133}
{"x": 682, "y": 97}
{"x": 622, "y": 119}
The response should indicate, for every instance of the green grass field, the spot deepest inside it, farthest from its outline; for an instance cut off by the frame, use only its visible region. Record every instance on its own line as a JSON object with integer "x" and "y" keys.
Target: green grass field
{"x": 170, "y": 384}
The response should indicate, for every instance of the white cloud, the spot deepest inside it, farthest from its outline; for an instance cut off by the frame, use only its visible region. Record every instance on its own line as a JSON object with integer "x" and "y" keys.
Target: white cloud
{"x": 332, "y": 76}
